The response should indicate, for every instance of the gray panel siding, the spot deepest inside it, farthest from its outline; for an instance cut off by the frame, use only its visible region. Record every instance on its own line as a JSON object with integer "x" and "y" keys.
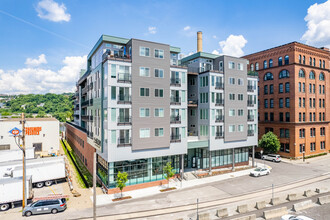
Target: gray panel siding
{"x": 150, "y": 102}
{"x": 236, "y": 104}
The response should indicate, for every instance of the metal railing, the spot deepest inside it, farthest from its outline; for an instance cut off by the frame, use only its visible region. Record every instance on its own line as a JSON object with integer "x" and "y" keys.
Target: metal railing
{"x": 219, "y": 102}
{"x": 122, "y": 141}
{"x": 250, "y": 88}
{"x": 175, "y": 82}
{"x": 250, "y": 133}
{"x": 219, "y": 118}
{"x": 122, "y": 98}
{"x": 250, "y": 118}
{"x": 175, "y": 100}
{"x": 219, "y": 85}
{"x": 175, "y": 138}
{"x": 250, "y": 103}
{"x": 176, "y": 119}
{"x": 124, "y": 78}
{"x": 219, "y": 135}
{"x": 124, "y": 120}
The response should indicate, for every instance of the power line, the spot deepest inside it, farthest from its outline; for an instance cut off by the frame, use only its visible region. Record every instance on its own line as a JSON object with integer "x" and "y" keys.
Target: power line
{"x": 43, "y": 29}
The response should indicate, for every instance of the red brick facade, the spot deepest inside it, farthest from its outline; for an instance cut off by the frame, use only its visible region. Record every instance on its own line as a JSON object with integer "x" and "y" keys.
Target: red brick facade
{"x": 78, "y": 141}
{"x": 293, "y": 139}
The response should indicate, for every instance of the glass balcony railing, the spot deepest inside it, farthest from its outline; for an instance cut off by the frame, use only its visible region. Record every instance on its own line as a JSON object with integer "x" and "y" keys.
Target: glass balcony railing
{"x": 176, "y": 119}
{"x": 219, "y": 135}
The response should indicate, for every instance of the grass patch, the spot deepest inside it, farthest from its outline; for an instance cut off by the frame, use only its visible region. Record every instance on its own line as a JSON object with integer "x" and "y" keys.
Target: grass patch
{"x": 315, "y": 155}
{"x": 167, "y": 189}
{"x": 121, "y": 198}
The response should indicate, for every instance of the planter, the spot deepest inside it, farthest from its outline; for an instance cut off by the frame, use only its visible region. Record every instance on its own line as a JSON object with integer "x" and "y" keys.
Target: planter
{"x": 122, "y": 198}
{"x": 168, "y": 189}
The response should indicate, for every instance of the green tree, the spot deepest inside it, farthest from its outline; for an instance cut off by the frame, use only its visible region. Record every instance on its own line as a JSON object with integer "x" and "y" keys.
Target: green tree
{"x": 121, "y": 181}
{"x": 270, "y": 143}
{"x": 168, "y": 172}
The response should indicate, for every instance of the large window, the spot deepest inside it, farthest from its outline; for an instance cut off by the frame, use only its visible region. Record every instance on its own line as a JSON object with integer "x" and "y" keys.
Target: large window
{"x": 287, "y": 87}
{"x": 144, "y": 132}
{"x": 144, "y": 112}
{"x": 268, "y": 76}
{"x": 280, "y": 61}
{"x": 321, "y": 77}
{"x": 144, "y": 71}
{"x": 144, "y": 51}
{"x": 284, "y": 74}
{"x": 144, "y": 91}
{"x": 280, "y": 88}
{"x": 304, "y": 60}
{"x": 312, "y": 75}
{"x": 301, "y": 73}
{"x": 159, "y": 53}
{"x": 286, "y": 60}
{"x": 299, "y": 58}
{"x": 159, "y": 73}
{"x": 257, "y": 66}
{"x": 252, "y": 67}
{"x": 270, "y": 63}
{"x": 265, "y": 64}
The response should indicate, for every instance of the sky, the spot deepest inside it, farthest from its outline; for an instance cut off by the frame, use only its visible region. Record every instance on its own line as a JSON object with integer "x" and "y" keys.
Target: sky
{"x": 44, "y": 43}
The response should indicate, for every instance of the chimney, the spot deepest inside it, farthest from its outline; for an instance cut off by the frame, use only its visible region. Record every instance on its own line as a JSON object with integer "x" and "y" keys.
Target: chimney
{"x": 199, "y": 41}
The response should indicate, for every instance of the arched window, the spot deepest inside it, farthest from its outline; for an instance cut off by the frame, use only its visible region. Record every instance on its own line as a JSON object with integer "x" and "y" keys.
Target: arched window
{"x": 286, "y": 60}
{"x": 257, "y": 66}
{"x": 304, "y": 59}
{"x": 321, "y": 77}
{"x": 252, "y": 67}
{"x": 312, "y": 75}
{"x": 284, "y": 74}
{"x": 320, "y": 63}
{"x": 301, "y": 73}
{"x": 268, "y": 76}
{"x": 265, "y": 64}
{"x": 270, "y": 63}
{"x": 313, "y": 61}
{"x": 323, "y": 64}
{"x": 280, "y": 60}
{"x": 310, "y": 61}
{"x": 299, "y": 58}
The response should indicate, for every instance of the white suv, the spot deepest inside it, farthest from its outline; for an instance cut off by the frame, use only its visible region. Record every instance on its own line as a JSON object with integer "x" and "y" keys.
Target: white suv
{"x": 272, "y": 157}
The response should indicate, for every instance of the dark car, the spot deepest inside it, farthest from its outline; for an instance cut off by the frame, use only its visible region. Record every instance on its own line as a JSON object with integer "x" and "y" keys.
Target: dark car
{"x": 256, "y": 154}
{"x": 45, "y": 206}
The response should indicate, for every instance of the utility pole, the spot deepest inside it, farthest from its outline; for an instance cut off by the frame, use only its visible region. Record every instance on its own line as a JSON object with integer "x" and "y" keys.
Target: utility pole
{"x": 94, "y": 186}
{"x": 24, "y": 167}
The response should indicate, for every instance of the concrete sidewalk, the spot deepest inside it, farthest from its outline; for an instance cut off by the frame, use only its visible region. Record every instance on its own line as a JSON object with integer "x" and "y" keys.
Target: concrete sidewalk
{"x": 307, "y": 161}
{"x": 107, "y": 199}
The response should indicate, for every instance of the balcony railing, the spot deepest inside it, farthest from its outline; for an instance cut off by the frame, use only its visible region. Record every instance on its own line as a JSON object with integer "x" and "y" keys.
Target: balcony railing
{"x": 175, "y": 119}
{"x": 250, "y": 133}
{"x": 219, "y": 118}
{"x": 175, "y": 82}
{"x": 124, "y": 120}
{"x": 124, "y": 99}
{"x": 192, "y": 102}
{"x": 124, "y": 78}
{"x": 250, "y": 88}
{"x": 85, "y": 117}
{"x": 175, "y": 138}
{"x": 115, "y": 55}
{"x": 175, "y": 100}
{"x": 250, "y": 103}
{"x": 220, "y": 102}
{"x": 122, "y": 141}
{"x": 219, "y": 85}
{"x": 250, "y": 118}
{"x": 219, "y": 135}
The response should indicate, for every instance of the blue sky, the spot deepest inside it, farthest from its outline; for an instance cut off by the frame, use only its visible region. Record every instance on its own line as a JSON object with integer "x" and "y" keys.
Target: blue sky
{"x": 43, "y": 47}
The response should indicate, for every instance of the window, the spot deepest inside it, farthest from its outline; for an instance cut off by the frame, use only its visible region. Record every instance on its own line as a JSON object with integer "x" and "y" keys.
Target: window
{"x": 302, "y": 133}
{"x": 310, "y": 117}
{"x": 266, "y": 103}
{"x": 303, "y": 87}
{"x": 270, "y": 63}
{"x": 304, "y": 59}
{"x": 231, "y": 65}
{"x": 144, "y": 71}
{"x": 159, "y": 93}
{"x": 159, "y": 112}
{"x": 281, "y": 102}
{"x": 284, "y": 74}
{"x": 144, "y": 51}
{"x": 286, "y": 60}
{"x": 144, "y": 91}
{"x": 280, "y": 60}
{"x": 299, "y": 102}
{"x": 271, "y": 116}
{"x": 221, "y": 65}
{"x": 231, "y": 112}
{"x": 303, "y": 102}
{"x": 265, "y": 89}
{"x": 240, "y": 112}
{"x": 144, "y": 132}
{"x": 280, "y": 88}
{"x": 271, "y": 101}
{"x": 310, "y": 61}
{"x": 257, "y": 66}
{"x": 300, "y": 59}
{"x": 313, "y": 61}
{"x": 321, "y": 77}
{"x": 323, "y": 64}
{"x": 231, "y": 81}
{"x": 323, "y": 89}
{"x": 312, "y": 132}
{"x": 231, "y": 96}
{"x": 240, "y": 81}
{"x": 314, "y": 88}
{"x": 240, "y": 128}
{"x": 312, "y": 75}
{"x": 310, "y": 88}
{"x": 312, "y": 146}
{"x": 268, "y": 76}
{"x": 304, "y": 118}
{"x": 281, "y": 116}
{"x": 301, "y": 73}
{"x": 265, "y": 64}
{"x": 159, "y": 73}
{"x": 302, "y": 148}
{"x": 159, "y": 132}
{"x": 113, "y": 92}
{"x": 271, "y": 89}
{"x": 231, "y": 128}
{"x": 287, "y": 87}
{"x": 320, "y": 63}
{"x": 266, "y": 116}
{"x": 287, "y": 116}
{"x": 144, "y": 112}
{"x": 299, "y": 116}
{"x": 322, "y": 145}
{"x": 299, "y": 86}
{"x": 159, "y": 53}
{"x": 252, "y": 67}
{"x": 240, "y": 97}
{"x": 320, "y": 89}
{"x": 287, "y": 102}
{"x": 240, "y": 66}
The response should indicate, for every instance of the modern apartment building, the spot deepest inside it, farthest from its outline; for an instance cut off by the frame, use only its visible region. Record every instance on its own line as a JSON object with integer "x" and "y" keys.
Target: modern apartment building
{"x": 293, "y": 85}
{"x": 140, "y": 107}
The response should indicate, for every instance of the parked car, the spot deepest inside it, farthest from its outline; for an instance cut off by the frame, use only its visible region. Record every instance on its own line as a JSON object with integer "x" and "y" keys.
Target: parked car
{"x": 272, "y": 157}
{"x": 294, "y": 217}
{"x": 259, "y": 171}
{"x": 45, "y": 206}
{"x": 256, "y": 154}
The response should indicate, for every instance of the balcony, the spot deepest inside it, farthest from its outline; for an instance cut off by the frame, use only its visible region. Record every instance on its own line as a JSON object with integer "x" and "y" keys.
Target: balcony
{"x": 250, "y": 103}
{"x": 175, "y": 138}
{"x": 250, "y": 88}
{"x": 124, "y": 99}
{"x": 124, "y": 120}
{"x": 219, "y": 135}
{"x": 90, "y": 134}
{"x": 116, "y": 55}
{"x": 124, "y": 78}
{"x": 219, "y": 102}
{"x": 84, "y": 90}
{"x": 219, "y": 85}
{"x": 219, "y": 118}
{"x": 84, "y": 117}
{"x": 250, "y": 118}
{"x": 175, "y": 119}
{"x": 87, "y": 103}
{"x": 175, "y": 100}
{"x": 250, "y": 133}
{"x": 175, "y": 82}
{"x": 122, "y": 142}
{"x": 192, "y": 103}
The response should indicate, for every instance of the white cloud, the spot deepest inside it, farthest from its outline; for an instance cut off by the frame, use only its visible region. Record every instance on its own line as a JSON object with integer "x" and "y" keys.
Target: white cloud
{"x": 152, "y": 30}
{"x": 36, "y": 62}
{"x": 186, "y": 28}
{"x": 216, "y": 52}
{"x": 50, "y": 10}
{"x": 233, "y": 45}
{"x": 41, "y": 80}
{"x": 318, "y": 23}
{"x": 214, "y": 36}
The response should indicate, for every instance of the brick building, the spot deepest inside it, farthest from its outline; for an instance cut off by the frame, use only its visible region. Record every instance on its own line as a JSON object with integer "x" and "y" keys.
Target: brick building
{"x": 293, "y": 86}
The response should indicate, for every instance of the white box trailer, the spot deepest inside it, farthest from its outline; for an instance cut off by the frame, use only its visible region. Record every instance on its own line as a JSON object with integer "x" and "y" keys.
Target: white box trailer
{"x": 42, "y": 175}
{"x": 11, "y": 191}
{"x": 7, "y": 167}
{"x": 12, "y": 155}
